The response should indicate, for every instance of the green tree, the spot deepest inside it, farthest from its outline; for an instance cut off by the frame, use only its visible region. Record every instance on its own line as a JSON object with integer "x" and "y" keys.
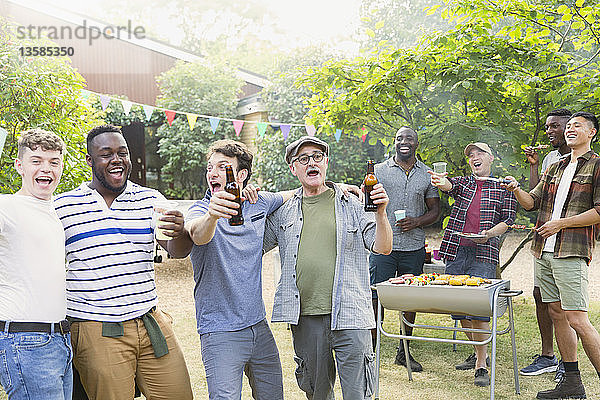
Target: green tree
{"x": 284, "y": 100}
{"x": 42, "y": 92}
{"x": 200, "y": 89}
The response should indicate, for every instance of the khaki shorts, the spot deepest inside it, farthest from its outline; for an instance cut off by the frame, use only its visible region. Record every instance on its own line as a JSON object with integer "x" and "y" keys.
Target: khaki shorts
{"x": 564, "y": 280}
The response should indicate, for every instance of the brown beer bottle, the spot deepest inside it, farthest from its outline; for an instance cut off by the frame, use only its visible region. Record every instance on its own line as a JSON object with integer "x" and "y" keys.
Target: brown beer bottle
{"x": 370, "y": 181}
{"x": 234, "y": 188}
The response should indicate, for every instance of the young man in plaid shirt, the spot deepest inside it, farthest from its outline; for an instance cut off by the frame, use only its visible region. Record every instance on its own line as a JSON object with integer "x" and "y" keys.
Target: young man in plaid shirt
{"x": 481, "y": 207}
{"x": 568, "y": 197}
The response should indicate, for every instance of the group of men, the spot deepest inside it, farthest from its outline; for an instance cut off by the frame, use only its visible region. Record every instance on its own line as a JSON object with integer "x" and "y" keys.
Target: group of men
{"x": 100, "y": 314}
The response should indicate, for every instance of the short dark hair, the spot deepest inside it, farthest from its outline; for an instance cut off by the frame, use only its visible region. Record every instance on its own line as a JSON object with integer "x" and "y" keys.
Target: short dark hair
{"x": 232, "y": 148}
{"x": 560, "y": 112}
{"x": 588, "y": 116}
{"x": 36, "y": 137}
{"x": 98, "y": 131}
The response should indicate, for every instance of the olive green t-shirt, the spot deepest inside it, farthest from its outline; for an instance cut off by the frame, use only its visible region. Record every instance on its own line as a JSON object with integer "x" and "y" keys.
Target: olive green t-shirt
{"x": 315, "y": 267}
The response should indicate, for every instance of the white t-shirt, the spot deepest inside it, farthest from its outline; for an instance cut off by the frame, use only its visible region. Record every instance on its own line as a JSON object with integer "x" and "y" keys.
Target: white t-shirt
{"x": 32, "y": 261}
{"x": 559, "y": 201}
{"x": 551, "y": 158}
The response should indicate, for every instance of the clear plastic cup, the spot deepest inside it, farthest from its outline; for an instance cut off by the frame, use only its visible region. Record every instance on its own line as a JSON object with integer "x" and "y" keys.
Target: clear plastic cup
{"x": 160, "y": 207}
{"x": 439, "y": 167}
{"x": 400, "y": 214}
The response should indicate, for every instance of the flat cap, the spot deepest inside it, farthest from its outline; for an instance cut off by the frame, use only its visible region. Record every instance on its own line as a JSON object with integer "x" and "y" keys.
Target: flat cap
{"x": 292, "y": 149}
{"x": 479, "y": 145}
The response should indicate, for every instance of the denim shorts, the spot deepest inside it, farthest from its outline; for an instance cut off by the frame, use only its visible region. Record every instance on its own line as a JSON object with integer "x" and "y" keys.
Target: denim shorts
{"x": 465, "y": 263}
{"x": 36, "y": 365}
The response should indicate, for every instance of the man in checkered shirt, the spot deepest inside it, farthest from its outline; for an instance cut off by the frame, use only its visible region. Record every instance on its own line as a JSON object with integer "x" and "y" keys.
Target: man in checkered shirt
{"x": 481, "y": 207}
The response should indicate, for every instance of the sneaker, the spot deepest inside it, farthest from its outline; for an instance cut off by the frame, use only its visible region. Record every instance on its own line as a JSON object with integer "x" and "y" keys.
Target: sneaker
{"x": 560, "y": 372}
{"x": 415, "y": 366}
{"x": 469, "y": 363}
{"x": 540, "y": 365}
{"x": 570, "y": 387}
{"x": 482, "y": 378}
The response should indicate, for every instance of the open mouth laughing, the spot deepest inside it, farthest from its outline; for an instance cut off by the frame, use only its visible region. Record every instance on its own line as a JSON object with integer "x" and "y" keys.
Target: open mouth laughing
{"x": 44, "y": 181}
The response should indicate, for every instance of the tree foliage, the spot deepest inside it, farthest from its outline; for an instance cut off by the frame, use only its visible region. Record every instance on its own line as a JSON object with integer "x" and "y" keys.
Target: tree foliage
{"x": 491, "y": 78}
{"x": 199, "y": 89}
{"x": 284, "y": 101}
{"x": 41, "y": 92}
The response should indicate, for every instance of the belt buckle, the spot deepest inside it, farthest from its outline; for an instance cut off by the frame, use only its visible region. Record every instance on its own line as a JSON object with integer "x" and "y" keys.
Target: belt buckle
{"x": 64, "y": 326}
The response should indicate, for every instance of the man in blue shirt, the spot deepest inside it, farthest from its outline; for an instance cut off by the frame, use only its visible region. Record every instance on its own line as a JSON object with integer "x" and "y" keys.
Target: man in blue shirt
{"x": 227, "y": 263}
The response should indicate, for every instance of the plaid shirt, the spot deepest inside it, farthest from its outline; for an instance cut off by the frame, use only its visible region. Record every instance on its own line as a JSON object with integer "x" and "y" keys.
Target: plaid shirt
{"x": 355, "y": 235}
{"x": 497, "y": 205}
{"x": 584, "y": 195}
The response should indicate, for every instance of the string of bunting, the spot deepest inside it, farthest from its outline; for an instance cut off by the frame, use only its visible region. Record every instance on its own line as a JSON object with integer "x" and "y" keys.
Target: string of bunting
{"x": 238, "y": 124}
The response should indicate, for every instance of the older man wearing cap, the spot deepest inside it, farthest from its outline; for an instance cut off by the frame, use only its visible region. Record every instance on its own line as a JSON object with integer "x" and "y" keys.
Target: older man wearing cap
{"x": 323, "y": 237}
{"x": 481, "y": 207}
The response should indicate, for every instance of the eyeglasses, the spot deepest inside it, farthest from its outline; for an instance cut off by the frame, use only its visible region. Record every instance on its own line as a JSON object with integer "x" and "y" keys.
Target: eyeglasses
{"x": 317, "y": 157}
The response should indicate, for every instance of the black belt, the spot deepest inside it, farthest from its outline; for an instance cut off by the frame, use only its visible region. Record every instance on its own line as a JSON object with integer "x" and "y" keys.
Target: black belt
{"x": 42, "y": 327}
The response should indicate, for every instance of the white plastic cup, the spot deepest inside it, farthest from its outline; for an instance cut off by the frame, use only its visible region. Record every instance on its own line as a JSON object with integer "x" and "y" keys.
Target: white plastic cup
{"x": 400, "y": 214}
{"x": 439, "y": 167}
{"x": 160, "y": 208}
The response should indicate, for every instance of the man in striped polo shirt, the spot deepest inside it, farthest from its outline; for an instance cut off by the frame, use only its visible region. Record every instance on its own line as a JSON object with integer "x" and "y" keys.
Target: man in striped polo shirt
{"x": 119, "y": 337}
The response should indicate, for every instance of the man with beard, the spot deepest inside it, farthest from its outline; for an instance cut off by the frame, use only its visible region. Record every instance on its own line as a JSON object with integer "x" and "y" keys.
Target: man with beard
{"x": 555, "y": 130}
{"x": 409, "y": 188}
{"x": 323, "y": 235}
{"x": 119, "y": 336}
{"x": 481, "y": 207}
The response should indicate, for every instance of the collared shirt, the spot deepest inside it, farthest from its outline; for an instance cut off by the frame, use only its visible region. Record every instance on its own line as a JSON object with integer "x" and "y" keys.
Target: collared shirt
{"x": 497, "y": 205}
{"x": 584, "y": 195}
{"x": 355, "y": 235}
{"x": 109, "y": 251}
{"x": 406, "y": 192}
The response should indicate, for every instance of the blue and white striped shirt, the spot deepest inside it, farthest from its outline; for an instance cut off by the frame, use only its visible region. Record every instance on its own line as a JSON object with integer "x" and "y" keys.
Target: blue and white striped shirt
{"x": 109, "y": 251}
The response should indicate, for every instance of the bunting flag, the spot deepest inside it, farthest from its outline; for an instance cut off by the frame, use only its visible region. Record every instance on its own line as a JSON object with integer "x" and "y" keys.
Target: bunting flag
{"x": 170, "y": 116}
{"x": 3, "y": 135}
{"x": 311, "y": 130}
{"x": 191, "y": 120}
{"x": 126, "y": 106}
{"x": 237, "y": 126}
{"x": 338, "y": 135}
{"x": 363, "y": 137}
{"x": 285, "y": 130}
{"x": 261, "y": 127}
{"x": 104, "y": 100}
{"x": 214, "y": 123}
{"x": 148, "y": 110}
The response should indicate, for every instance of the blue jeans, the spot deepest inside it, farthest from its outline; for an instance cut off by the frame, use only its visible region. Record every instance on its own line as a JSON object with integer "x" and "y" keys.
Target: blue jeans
{"x": 36, "y": 366}
{"x": 227, "y": 355}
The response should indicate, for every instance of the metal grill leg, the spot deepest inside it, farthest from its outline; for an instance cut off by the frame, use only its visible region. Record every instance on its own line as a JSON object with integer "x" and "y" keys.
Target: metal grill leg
{"x": 511, "y": 324}
{"x": 377, "y": 349}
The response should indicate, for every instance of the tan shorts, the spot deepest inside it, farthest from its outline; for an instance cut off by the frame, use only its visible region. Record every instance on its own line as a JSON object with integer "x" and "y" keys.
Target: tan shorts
{"x": 108, "y": 366}
{"x": 564, "y": 280}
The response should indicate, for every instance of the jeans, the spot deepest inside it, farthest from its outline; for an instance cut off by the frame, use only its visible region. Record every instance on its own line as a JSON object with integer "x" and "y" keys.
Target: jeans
{"x": 36, "y": 366}
{"x": 227, "y": 355}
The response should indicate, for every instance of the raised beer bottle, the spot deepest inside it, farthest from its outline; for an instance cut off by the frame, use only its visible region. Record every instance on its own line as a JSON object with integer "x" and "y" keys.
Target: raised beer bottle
{"x": 370, "y": 181}
{"x": 234, "y": 188}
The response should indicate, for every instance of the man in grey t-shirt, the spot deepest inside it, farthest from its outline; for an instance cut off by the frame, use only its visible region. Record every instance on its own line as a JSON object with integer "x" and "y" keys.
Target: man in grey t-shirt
{"x": 409, "y": 188}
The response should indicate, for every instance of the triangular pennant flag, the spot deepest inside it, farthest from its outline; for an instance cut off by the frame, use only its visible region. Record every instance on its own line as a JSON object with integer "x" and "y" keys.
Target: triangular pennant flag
{"x": 214, "y": 123}
{"x": 191, "y": 120}
{"x": 338, "y": 135}
{"x": 3, "y": 135}
{"x": 285, "y": 130}
{"x": 148, "y": 110}
{"x": 311, "y": 130}
{"x": 104, "y": 100}
{"x": 364, "y": 137}
{"x": 170, "y": 116}
{"x": 237, "y": 126}
{"x": 261, "y": 127}
{"x": 126, "y": 106}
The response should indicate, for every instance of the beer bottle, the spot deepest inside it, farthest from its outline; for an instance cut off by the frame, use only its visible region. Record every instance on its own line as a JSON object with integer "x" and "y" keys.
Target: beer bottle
{"x": 370, "y": 181}
{"x": 234, "y": 188}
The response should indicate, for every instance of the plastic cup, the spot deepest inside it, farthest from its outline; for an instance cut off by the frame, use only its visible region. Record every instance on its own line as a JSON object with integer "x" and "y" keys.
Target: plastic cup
{"x": 160, "y": 207}
{"x": 400, "y": 214}
{"x": 439, "y": 167}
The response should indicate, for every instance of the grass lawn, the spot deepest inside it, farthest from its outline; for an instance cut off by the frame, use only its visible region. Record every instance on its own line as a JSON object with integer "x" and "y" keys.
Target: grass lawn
{"x": 439, "y": 380}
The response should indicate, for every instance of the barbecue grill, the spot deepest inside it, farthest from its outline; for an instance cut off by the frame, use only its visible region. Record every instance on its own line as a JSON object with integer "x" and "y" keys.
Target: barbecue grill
{"x": 488, "y": 300}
